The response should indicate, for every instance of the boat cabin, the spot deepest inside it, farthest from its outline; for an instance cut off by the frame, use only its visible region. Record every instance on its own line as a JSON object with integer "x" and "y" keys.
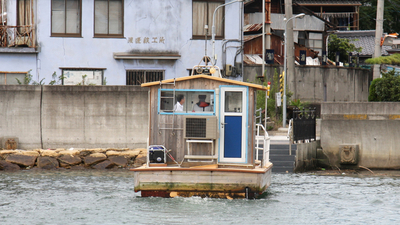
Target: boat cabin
{"x": 204, "y": 140}
{"x": 204, "y": 119}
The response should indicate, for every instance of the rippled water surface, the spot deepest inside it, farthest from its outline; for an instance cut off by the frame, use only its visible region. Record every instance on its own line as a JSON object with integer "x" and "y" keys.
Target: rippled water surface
{"x": 92, "y": 197}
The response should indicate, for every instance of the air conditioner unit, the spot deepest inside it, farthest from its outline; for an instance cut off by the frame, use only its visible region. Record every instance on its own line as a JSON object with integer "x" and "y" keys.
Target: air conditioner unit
{"x": 200, "y": 127}
{"x": 228, "y": 70}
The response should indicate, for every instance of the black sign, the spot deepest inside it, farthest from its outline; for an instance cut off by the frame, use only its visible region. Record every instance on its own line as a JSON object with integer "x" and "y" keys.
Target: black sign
{"x": 350, "y": 59}
{"x": 304, "y": 124}
{"x": 269, "y": 56}
{"x": 303, "y": 56}
{"x": 337, "y": 58}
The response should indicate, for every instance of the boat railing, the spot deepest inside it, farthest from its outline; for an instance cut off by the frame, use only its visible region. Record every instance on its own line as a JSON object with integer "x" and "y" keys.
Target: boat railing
{"x": 290, "y": 135}
{"x": 265, "y": 141}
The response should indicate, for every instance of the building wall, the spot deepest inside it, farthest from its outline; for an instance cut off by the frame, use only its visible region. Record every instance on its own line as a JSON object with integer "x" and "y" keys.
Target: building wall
{"x": 374, "y": 127}
{"x": 171, "y": 20}
{"x": 74, "y": 116}
{"x": 318, "y": 84}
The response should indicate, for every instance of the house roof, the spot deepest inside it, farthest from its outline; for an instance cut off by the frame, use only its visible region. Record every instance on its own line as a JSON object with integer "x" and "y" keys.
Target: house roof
{"x": 251, "y": 37}
{"x": 364, "y": 39}
{"x": 328, "y": 2}
{"x": 252, "y": 27}
{"x": 257, "y": 86}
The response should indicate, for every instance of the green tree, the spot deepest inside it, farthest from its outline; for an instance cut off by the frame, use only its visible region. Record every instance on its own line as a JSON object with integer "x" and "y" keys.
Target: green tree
{"x": 391, "y": 60}
{"x": 391, "y": 23}
{"x": 341, "y": 45}
{"x": 387, "y": 88}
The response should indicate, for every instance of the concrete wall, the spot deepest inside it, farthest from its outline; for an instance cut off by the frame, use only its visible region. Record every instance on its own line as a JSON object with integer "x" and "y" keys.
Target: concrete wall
{"x": 170, "y": 20}
{"x": 306, "y": 156}
{"x": 374, "y": 127}
{"x": 74, "y": 116}
{"x": 318, "y": 84}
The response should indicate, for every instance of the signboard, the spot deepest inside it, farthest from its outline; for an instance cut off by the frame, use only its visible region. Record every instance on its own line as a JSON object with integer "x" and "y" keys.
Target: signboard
{"x": 278, "y": 99}
{"x": 303, "y": 56}
{"x": 269, "y": 56}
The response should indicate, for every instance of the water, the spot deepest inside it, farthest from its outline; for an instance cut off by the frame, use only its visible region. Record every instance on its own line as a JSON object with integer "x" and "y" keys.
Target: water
{"x": 108, "y": 197}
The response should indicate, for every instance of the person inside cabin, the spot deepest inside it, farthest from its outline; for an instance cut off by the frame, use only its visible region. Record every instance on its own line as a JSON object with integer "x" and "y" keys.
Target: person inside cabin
{"x": 179, "y": 104}
{"x": 202, "y": 105}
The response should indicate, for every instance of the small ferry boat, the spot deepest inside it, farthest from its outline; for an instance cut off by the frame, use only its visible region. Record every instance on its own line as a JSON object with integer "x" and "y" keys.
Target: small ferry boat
{"x": 204, "y": 140}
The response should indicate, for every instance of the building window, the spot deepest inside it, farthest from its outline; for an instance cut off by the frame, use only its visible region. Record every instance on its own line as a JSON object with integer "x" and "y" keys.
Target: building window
{"x": 66, "y": 18}
{"x": 24, "y": 13}
{"x": 190, "y": 101}
{"x": 138, "y": 77}
{"x": 203, "y": 11}
{"x": 3, "y": 14}
{"x": 9, "y": 78}
{"x": 108, "y": 18}
{"x": 79, "y": 76}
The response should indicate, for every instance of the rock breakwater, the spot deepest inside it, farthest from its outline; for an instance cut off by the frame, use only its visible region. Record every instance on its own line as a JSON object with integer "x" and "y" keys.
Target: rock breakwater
{"x": 98, "y": 158}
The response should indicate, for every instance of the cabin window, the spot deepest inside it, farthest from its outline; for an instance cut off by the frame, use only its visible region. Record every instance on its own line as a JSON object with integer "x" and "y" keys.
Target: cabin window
{"x": 9, "y": 78}
{"x": 82, "y": 76}
{"x": 138, "y": 77}
{"x": 203, "y": 11}
{"x": 186, "y": 102}
{"x": 66, "y": 18}
{"x": 108, "y": 18}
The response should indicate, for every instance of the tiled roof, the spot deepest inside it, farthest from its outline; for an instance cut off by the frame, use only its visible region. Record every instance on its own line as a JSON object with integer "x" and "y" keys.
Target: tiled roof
{"x": 364, "y": 39}
{"x": 327, "y": 2}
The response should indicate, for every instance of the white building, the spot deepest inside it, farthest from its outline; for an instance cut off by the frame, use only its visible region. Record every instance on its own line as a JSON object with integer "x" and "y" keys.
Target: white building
{"x": 125, "y": 42}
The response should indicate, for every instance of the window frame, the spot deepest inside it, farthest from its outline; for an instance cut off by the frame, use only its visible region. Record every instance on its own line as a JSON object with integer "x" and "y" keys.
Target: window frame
{"x": 65, "y": 19}
{"x": 212, "y": 113}
{"x": 209, "y": 36}
{"x": 108, "y": 22}
{"x": 14, "y": 72}
{"x": 144, "y": 79}
{"x": 82, "y": 69}
{"x": 20, "y": 23}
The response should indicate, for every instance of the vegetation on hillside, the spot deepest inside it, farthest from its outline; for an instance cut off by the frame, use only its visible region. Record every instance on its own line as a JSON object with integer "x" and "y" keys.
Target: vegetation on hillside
{"x": 391, "y": 23}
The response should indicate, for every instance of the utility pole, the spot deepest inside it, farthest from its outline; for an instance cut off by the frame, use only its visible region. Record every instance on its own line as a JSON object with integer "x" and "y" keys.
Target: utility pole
{"x": 378, "y": 36}
{"x": 289, "y": 52}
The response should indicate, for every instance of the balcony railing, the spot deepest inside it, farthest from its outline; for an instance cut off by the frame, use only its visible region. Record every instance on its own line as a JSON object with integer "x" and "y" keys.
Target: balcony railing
{"x": 17, "y": 36}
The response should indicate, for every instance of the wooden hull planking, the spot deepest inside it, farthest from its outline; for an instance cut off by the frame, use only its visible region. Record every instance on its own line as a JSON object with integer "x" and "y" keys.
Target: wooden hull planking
{"x": 212, "y": 182}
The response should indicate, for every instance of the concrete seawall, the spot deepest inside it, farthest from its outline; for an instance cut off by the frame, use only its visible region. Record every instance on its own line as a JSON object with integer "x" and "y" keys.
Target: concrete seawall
{"x": 361, "y": 134}
{"x": 11, "y": 160}
{"x": 74, "y": 116}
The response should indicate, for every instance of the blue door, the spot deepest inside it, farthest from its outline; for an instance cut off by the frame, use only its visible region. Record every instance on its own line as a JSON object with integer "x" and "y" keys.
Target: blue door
{"x": 233, "y": 123}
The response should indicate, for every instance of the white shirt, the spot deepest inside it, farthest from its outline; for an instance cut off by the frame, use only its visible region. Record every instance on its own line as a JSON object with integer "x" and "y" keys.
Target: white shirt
{"x": 178, "y": 107}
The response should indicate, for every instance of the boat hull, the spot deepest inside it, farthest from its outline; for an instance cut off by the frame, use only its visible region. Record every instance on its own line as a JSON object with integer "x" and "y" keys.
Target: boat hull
{"x": 211, "y": 182}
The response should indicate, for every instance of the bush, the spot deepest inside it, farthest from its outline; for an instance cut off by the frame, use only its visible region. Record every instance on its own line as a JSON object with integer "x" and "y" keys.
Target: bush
{"x": 373, "y": 97}
{"x": 387, "y": 88}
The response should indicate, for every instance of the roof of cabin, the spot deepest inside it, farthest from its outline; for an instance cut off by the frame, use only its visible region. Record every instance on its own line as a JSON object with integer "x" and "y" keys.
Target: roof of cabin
{"x": 235, "y": 82}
